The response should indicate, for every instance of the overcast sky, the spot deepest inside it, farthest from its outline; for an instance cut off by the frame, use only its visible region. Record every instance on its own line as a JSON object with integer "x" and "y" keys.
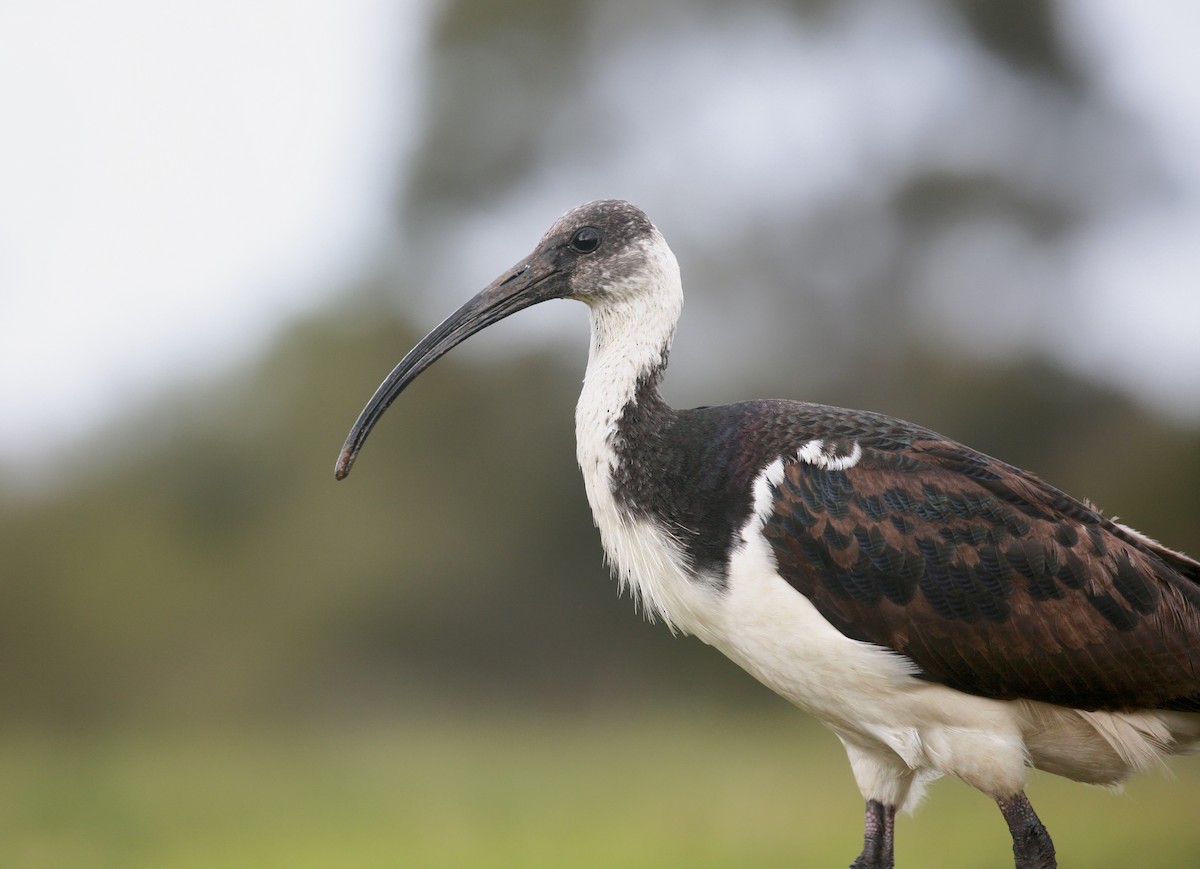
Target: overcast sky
{"x": 176, "y": 181}
{"x": 179, "y": 181}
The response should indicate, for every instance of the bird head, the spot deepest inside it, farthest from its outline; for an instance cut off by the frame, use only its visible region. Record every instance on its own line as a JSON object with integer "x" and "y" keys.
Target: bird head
{"x": 605, "y": 253}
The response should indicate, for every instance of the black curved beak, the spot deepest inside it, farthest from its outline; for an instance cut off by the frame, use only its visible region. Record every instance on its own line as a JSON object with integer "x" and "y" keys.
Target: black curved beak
{"x": 534, "y": 279}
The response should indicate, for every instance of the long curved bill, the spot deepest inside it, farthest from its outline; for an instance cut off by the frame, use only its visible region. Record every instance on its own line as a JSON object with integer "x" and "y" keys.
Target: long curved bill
{"x": 530, "y": 281}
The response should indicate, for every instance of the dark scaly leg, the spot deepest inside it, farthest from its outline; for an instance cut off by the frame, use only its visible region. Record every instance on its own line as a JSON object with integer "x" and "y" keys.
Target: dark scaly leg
{"x": 1032, "y": 847}
{"x": 878, "y": 831}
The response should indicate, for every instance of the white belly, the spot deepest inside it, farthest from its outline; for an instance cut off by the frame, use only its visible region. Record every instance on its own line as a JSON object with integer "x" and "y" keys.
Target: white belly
{"x": 900, "y": 731}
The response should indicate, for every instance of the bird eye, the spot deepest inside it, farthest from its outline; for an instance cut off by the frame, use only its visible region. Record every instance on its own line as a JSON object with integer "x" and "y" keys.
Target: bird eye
{"x": 585, "y": 240}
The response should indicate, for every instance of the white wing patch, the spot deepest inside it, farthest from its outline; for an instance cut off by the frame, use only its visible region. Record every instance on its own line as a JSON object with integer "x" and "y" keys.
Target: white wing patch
{"x": 767, "y": 479}
{"x": 817, "y": 452}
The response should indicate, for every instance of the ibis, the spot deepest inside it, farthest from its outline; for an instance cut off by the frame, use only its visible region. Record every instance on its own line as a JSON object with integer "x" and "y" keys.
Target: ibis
{"x": 941, "y": 611}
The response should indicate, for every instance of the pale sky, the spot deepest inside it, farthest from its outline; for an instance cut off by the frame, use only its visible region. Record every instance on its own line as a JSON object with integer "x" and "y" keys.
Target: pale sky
{"x": 177, "y": 182}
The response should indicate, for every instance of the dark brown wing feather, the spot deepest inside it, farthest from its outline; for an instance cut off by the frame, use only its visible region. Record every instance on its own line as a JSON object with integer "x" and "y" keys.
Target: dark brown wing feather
{"x": 990, "y": 580}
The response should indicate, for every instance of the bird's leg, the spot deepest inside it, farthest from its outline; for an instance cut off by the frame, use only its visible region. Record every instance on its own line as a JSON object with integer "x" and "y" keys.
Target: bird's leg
{"x": 878, "y": 830}
{"x": 1032, "y": 847}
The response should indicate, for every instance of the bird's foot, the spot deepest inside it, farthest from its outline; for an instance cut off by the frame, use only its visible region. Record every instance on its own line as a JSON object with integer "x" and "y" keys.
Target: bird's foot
{"x": 878, "y": 832}
{"x": 1032, "y": 846}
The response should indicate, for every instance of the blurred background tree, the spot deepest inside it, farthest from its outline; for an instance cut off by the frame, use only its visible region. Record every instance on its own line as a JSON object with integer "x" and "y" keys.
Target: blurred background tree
{"x": 900, "y": 206}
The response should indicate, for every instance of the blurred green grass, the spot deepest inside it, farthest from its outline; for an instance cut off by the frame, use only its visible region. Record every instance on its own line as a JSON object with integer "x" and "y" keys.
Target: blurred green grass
{"x": 494, "y": 789}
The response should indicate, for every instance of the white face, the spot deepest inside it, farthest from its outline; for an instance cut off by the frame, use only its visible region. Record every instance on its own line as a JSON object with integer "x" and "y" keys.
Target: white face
{"x": 609, "y": 250}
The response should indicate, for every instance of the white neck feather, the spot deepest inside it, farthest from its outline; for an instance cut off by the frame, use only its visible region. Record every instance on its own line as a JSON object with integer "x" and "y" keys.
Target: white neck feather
{"x": 632, "y": 327}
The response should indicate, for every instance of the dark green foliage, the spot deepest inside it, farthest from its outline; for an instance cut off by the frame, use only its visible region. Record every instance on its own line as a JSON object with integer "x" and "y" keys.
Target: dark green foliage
{"x": 214, "y": 567}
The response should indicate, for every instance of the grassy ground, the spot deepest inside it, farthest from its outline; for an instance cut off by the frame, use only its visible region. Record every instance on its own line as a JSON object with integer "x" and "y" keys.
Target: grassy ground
{"x": 655, "y": 791}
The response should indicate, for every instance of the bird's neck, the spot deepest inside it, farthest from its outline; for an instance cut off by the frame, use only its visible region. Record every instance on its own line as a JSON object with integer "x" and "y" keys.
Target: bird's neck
{"x": 619, "y": 422}
{"x": 633, "y": 322}
{"x": 631, "y": 338}
{"x": 632, "y": 328}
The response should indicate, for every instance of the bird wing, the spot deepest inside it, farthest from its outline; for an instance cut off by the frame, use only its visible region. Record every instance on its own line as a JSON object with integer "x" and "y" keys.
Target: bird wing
{"x": 990, "y": 580}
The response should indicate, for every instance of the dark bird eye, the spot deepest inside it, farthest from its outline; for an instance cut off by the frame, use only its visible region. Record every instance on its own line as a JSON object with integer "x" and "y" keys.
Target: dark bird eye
{"x": 585, "y": 240}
